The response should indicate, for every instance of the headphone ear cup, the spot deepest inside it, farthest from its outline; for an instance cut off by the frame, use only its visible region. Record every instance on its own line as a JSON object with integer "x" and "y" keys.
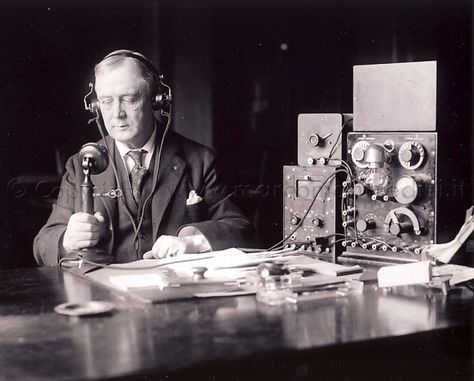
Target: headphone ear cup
{"x": 161, "y": 101}
{"x": 162, "y": 98}
{"x": 155, "y": 102}
{"x": 94, "y": 106}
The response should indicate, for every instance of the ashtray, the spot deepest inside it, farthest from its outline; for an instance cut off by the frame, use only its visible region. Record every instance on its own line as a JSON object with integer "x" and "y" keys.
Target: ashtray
{"x": 84, "y": 309}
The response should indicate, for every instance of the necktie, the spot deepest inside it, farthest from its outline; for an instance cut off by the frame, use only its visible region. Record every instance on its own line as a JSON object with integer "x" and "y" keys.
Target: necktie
{"x": 138, "y": 172}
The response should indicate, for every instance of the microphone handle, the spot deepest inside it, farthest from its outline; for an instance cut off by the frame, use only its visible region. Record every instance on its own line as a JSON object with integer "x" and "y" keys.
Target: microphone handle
{"x": 87, "y": 199}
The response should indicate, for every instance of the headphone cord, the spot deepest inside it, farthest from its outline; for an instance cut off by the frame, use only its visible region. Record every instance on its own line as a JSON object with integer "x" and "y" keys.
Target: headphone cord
{"x": 114, "y": 168}
{"x": 136, "y": 228}
{"x": 155, "y": 174}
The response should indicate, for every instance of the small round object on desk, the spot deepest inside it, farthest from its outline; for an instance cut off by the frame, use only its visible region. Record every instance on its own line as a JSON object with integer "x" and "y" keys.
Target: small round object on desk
{"x": 272, "y": 268}
{"x": 198, "y": 272}
{"x": 89, "y": 308}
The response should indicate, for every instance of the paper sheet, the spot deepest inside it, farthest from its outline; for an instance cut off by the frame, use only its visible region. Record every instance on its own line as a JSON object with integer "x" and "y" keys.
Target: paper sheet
{"x": 226, "y": 275}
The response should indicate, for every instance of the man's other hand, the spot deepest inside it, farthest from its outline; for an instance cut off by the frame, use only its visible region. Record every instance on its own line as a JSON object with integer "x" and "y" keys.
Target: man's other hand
{"x": 171, "y": 246}
{"x": 83, "y": 230}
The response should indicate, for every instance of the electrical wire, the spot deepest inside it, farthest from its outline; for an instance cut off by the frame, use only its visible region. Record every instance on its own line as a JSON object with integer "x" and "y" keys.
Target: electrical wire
{"x": 349, "y": 169}
{"x": 118, "y": 266}
{"x": 283, "y": 253}
{"x": 384, "y": 243}
{"x": 335, "y": 146}
{"x": 114, "y": 168}
{"x": 136, "y": 227}
{"x": 156, "y": 172}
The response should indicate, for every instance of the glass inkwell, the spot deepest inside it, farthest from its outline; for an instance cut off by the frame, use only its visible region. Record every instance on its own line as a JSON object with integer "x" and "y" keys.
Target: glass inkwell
{"x": 274, "y": 280}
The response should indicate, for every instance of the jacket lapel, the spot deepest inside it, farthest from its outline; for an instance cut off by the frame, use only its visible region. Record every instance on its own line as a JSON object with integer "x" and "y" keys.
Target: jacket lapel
{"x": 171, "y": 171}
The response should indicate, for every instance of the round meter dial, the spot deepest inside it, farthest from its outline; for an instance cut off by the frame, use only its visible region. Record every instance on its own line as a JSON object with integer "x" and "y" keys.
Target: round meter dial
{"x": 405, "y": 190}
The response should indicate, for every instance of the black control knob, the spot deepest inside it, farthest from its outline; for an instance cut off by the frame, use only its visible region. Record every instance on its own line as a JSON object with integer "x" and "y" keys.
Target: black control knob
{"x": 400, "y": 228}
{"x": 364, "y": 225}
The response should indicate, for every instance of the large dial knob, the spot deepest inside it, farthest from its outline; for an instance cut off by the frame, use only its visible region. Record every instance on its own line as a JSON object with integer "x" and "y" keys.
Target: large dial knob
{"x": 364, "y": 225}
{"x": 411, "y": 155}
{"x": 315, "y": 140}
{"x": 358, "y": 153}
{"x": 402, "y": 220}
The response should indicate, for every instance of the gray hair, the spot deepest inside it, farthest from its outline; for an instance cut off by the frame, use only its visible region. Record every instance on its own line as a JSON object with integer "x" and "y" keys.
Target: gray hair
{"x": 119, "y": 57}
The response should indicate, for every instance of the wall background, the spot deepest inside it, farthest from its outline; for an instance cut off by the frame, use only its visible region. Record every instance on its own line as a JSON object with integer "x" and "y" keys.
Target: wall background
{"x": 241, "y": 72}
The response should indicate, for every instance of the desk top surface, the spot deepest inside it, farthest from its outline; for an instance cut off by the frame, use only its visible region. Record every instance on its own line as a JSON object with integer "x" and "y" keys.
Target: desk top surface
{"x": 38, "y": 344}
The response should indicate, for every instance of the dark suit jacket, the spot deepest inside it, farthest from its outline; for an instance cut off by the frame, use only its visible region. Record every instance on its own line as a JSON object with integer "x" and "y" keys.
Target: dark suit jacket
{"x": 185, "y": 166}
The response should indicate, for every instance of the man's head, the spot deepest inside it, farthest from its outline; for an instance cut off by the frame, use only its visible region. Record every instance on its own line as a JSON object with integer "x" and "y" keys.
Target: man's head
{"x": 123, "y": 86}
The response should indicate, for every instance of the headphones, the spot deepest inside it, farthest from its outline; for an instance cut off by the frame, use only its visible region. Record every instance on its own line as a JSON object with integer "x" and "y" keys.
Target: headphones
{"x": 161, "y": 96}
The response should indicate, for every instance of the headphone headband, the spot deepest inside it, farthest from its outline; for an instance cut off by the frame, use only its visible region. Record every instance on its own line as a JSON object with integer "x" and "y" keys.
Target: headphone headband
{"x": 161, "y": 92}
{"x": 136, "y": 56}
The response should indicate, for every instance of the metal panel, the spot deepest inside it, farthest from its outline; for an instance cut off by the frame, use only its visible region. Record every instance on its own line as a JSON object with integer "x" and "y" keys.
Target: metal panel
{"x": 307, "y": 218}
{"x": 406, "y": 199}
{"x": 395, "y": 97}
{"x": 320, "y": 137}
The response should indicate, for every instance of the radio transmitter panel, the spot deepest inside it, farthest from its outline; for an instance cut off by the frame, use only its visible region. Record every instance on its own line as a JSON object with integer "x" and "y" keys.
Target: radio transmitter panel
{"x": 390, "y": 211}
{"x": 384, "y": 204}
{"x": 309, "y": 209}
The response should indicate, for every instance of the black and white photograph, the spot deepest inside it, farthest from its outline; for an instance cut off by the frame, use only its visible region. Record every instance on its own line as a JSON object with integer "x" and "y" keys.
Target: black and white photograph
{"x": 236, "y": 190}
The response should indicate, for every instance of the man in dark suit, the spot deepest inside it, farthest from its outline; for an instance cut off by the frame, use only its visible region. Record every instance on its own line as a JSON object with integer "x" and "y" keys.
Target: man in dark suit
{"x": 172, "y": 202}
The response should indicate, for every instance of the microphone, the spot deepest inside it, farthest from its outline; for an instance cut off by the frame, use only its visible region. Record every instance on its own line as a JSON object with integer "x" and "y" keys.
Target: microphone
{"x": 94, "y": 160}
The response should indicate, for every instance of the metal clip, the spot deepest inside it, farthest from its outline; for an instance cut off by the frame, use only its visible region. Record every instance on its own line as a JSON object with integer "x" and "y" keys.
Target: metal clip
{"x": 113, "y": 193}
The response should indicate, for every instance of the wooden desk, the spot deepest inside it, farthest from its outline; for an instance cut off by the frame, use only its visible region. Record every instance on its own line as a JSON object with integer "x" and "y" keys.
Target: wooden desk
{"x": 401, "y": 335}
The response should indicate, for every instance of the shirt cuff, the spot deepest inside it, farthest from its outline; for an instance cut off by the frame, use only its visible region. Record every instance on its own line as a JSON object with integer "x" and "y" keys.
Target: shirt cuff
{"x": 199, "y": 241}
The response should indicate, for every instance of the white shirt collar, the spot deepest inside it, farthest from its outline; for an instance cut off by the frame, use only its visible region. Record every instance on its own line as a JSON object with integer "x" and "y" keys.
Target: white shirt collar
{"x": 149, "y": 146}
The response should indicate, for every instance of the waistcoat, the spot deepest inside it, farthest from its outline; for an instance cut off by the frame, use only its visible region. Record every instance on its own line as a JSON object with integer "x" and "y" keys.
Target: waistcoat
{"x": 125, "y": 249}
